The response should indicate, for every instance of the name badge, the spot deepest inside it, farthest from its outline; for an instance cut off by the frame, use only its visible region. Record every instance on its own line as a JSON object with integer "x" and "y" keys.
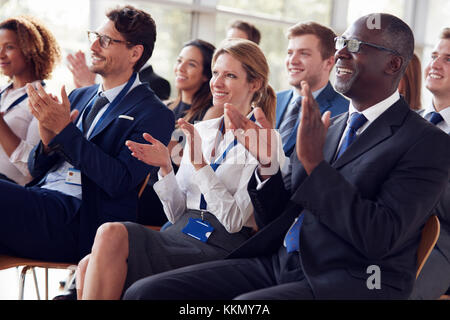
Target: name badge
{"x": 198, "y": 229}
{"x": 73, "y": 177}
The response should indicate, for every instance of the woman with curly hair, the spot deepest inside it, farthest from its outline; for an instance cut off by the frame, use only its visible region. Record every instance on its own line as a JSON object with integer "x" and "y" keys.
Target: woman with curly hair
{"x": 28, "y": 54}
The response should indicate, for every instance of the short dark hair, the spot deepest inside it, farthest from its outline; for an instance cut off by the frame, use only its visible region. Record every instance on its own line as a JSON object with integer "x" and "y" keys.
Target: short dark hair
{"x": 137, "y": 27}
{"x": 252, "y": 32}
{"x": 445, "y": 34}
{"x": 397, "y": 35}
{"x": 324, "y": 34}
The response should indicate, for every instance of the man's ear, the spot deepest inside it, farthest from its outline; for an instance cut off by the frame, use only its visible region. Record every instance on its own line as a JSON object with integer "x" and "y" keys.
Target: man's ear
{"x": 329, "y": 63}
{"x": 395, "y": 64}
{"x": 136, "y": 52}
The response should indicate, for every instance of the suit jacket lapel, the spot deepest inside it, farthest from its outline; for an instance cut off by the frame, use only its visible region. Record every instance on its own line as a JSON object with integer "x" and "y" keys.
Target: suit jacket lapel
{"x": 90, "y": 93}
{"x": 128, "y": 102}
{"x": 329, "y": 150}
{"x": 282, "y": 105}
{"x": 324, "y": 98}
{"x": 378, "y": 131}
{"x": 323, "y": 101}
{"x": 334, "y": 135}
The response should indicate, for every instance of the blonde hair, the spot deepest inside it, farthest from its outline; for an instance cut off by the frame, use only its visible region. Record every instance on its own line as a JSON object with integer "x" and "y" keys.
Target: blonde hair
{"x": 37, "y": 44}
{"x": 255, "y": 64}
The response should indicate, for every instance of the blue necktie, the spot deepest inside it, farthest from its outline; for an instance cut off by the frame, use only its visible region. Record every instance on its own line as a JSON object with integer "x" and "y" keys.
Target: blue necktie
{"x": 356, "y": 122}
{"x": 290, "y": 118}
{"x": 436, "y": 118}
{"x": 292, "y": 237}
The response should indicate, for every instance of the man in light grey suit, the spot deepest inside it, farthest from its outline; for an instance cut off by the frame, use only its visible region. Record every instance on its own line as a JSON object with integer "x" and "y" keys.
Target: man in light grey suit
{"x": 434, "y": 280}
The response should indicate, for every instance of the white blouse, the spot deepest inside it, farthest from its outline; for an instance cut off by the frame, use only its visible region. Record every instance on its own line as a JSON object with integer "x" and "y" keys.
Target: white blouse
{"x": 25, "y": 126}
{"x": 224, "y": 190}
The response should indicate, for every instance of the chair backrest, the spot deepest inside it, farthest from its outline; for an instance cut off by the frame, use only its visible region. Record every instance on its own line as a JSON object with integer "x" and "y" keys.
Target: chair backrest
{"x": 144, "y": 184}
{"x": 430, "y": 234}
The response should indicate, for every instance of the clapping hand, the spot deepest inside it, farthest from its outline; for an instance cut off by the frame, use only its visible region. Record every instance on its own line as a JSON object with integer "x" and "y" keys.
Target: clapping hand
{"x": 311, "y": 132}
{"x": 260, "y": 141}
{"x": 53, "y": 115}
{"x": 154, "y": 154}
{"x": 82, "y": 76}
{"x": 195, "y": 144}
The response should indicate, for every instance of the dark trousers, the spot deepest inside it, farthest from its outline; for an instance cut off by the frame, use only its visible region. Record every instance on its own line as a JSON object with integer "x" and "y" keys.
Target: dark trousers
{"x": 38, "y": 223}
{"x": 278, "y": 276}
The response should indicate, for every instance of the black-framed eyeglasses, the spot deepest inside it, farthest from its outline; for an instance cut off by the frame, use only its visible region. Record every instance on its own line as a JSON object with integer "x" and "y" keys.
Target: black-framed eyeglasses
{"x": 354, "y": 45}
{"x": 104, "y": 40}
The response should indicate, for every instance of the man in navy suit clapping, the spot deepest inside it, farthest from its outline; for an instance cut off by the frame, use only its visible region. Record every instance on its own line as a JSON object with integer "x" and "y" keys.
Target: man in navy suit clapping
{"x": 84, "y": 174}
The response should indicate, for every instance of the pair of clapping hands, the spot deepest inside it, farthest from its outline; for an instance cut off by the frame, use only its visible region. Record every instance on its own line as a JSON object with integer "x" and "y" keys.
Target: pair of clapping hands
{"x": 53, "y": 115}
{"x": 309, "y": 146}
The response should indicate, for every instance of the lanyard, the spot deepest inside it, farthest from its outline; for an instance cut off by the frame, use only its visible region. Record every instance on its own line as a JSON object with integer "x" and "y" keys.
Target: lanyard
{"x": 221, "y": 159}
{"x": 111, "y": 106}
{"x": 18, "y": 100}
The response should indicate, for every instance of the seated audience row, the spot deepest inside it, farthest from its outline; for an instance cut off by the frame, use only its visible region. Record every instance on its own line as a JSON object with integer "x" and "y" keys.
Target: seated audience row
{"x": 300, "y": 212}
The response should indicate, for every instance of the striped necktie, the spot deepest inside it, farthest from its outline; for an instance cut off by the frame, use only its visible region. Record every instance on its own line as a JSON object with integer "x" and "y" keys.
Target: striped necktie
{"x": 290, "y": 118}
{"x": 99, "y": 103}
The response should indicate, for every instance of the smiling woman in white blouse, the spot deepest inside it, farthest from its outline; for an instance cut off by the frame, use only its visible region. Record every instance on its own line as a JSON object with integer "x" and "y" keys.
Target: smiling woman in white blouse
{"x": 206, "y": 201}
{"x": 28, "y": 54}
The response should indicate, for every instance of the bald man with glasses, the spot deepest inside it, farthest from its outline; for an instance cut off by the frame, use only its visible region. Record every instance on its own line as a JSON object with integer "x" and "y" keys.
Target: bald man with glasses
{"x": 84, "y": 175}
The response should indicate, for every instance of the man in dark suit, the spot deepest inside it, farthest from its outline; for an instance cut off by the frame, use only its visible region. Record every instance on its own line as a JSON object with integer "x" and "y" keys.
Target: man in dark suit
{"x": 434, "y": 279}
{"x": 351, "y": 221}
{"x": 84, "y": 173}
{"x": 310, "y": 58}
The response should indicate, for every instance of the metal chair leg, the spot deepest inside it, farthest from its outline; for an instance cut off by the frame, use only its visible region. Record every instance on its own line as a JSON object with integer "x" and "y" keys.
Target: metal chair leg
{"x": 35, "y": 283}
{"x": 23, "y": 274}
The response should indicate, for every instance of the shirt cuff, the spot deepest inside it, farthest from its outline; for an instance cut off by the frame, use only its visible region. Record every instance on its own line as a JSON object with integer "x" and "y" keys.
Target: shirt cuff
{"x": 19, "y": 157}
{"x": 164, "y": 185}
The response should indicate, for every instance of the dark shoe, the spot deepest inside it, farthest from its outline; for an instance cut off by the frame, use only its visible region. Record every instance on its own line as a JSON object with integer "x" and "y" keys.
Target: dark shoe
{"x": 71, "y": 294}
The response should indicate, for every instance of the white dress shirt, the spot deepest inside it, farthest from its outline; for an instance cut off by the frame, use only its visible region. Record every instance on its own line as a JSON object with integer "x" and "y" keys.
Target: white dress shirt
{"x": 371, "y": 114}
{"x": 224, "y": 190}
{"x": 25, "y": 127}
{"x": 445, "y": 113}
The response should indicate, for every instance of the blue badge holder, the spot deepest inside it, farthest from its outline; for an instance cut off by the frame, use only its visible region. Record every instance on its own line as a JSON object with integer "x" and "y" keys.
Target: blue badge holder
{"x": 198, "y": 229}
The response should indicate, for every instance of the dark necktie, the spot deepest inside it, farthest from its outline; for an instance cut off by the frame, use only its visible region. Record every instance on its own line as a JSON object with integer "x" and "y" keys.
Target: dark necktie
{"x": 293, "y": 235}
{"x": 99, "y": 103}
{"x": 436, "y": 118}
{"x": 356, "y": 121}
{"x": 290, "y": 118}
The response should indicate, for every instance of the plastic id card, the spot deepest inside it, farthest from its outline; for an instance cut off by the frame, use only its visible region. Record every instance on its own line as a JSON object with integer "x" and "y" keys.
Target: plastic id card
{"x": 198, "y": 229}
